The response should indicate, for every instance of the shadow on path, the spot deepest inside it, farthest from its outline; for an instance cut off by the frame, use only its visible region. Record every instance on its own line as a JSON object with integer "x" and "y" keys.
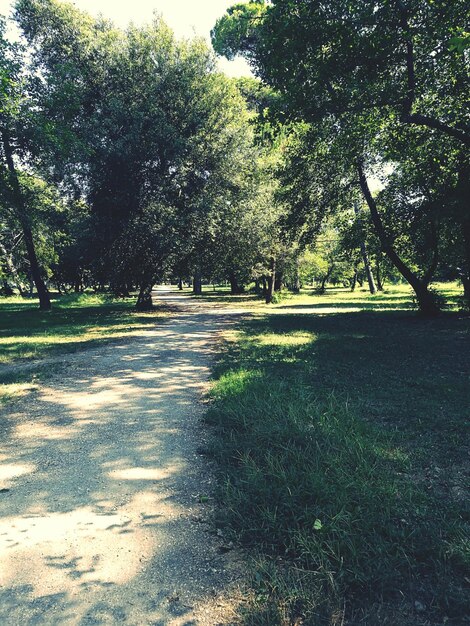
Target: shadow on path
{"x": 101, "y": 521}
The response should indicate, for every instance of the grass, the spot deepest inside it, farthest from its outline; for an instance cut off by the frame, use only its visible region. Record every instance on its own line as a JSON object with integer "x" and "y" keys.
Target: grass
{"x": 76, "y": 322}
{"x": 394, "y": 297}
{"x": 342, "y": 442}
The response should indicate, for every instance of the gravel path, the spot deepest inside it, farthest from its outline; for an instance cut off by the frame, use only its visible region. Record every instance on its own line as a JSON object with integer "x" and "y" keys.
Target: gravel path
{"x": 103, "y": 517}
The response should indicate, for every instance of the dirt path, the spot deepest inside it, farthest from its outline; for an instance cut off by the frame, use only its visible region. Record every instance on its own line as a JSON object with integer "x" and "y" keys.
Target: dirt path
{"x": 101, "y": 520}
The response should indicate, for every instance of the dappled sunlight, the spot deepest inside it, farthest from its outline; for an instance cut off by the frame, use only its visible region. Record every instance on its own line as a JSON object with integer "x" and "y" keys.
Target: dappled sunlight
{"x": 142, "y": 473}
{"x": 103, "y": 481}
{"x": 14, "y": 470}
{"x": 59, "y": 552}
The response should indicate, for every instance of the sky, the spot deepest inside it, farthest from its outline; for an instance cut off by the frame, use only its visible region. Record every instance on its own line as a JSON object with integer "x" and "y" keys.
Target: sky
{"x": 185, "y": 17}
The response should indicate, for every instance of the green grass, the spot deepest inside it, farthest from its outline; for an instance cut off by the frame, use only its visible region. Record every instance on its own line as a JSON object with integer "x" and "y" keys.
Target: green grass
{"x": 341, "y": 440}
{"x": 76, "y": 322}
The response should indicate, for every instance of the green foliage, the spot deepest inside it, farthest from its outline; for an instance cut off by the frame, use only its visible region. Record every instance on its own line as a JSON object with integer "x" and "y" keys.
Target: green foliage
{"x": 370, "y": 83}
{"x": 235, "y": 32}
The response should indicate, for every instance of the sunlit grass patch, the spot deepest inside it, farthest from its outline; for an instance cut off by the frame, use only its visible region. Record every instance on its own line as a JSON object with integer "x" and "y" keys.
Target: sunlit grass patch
{"x": 285, "y": 339}
{"x": 76, "y": 321}
{"x": 15, "y": 390}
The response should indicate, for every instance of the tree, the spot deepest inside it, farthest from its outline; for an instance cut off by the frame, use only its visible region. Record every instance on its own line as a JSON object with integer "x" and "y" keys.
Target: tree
{"x": 149, "y": 136}
{"x": 356, "y": 67}
{"x": 15, "y": 117}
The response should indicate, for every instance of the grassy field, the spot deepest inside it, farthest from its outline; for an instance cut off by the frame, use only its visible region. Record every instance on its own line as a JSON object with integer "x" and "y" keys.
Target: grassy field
{"x": 341, "y": 432}
{"x": 76, "y": 322}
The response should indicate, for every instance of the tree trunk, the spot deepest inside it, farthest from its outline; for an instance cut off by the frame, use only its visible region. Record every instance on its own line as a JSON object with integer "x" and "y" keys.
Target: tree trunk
{"x": 278, "y": 282}
{"x": 426, "y": 302}
{"x": 463, "y": 191}
{"x": 326, "y": 278}
{"x": 465, "y": 273}
{"x": 354, "y": 280}
{"x": 368, "y": 269}
{"x": 235, "y": 288}
{"x": 296, "y": 284}
{"x": 197, "y": 284}
{"x": 378, "y": 272}
{"x": 6, "y": 289}
{"x": 271, "y": 279}
{"x": 144, "y": 299}
{"x": 43, "y": 294}
{"x": 180, "y": 284}
{"x": 365, "y": 256}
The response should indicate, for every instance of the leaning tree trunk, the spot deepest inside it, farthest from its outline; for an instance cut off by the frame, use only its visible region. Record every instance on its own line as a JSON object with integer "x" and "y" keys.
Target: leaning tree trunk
{"x": 271, "y": 279}
{"x": 426, "y": 301}
{"x": 43, "y": 294}
{"x": 144, "y": 299}
{"x": 378, "y": 272}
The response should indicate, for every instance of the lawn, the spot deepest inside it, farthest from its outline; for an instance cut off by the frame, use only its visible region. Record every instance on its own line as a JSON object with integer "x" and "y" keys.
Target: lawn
{"x": 340, "y": 428}
{"x": 76, "y": 322}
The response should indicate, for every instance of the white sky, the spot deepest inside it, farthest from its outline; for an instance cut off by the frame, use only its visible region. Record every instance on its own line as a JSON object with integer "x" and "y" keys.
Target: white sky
{"x": 185, "y": 17}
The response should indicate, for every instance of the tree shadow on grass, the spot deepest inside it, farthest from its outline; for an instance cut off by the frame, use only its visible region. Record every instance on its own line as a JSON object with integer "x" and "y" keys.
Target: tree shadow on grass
{"x": 398, "y": 369}
{"x": 356, "y": 421}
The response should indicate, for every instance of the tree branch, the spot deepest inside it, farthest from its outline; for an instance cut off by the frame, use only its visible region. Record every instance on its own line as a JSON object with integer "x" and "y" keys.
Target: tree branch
{"x": 407, "y": 115}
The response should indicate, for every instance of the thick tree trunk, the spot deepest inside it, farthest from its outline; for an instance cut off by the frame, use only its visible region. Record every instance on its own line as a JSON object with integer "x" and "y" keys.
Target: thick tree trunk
{"x": 43, "y": 294}
{"x": 144, "y": 299}
{"x": 180, "y": 284}
{"x": 271, "y": 279}
{"x": 278, "y": 281}
{"x": 197, "y": 284}
{"x": 235, "y": 288}
{"x": 426, "y": 302}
